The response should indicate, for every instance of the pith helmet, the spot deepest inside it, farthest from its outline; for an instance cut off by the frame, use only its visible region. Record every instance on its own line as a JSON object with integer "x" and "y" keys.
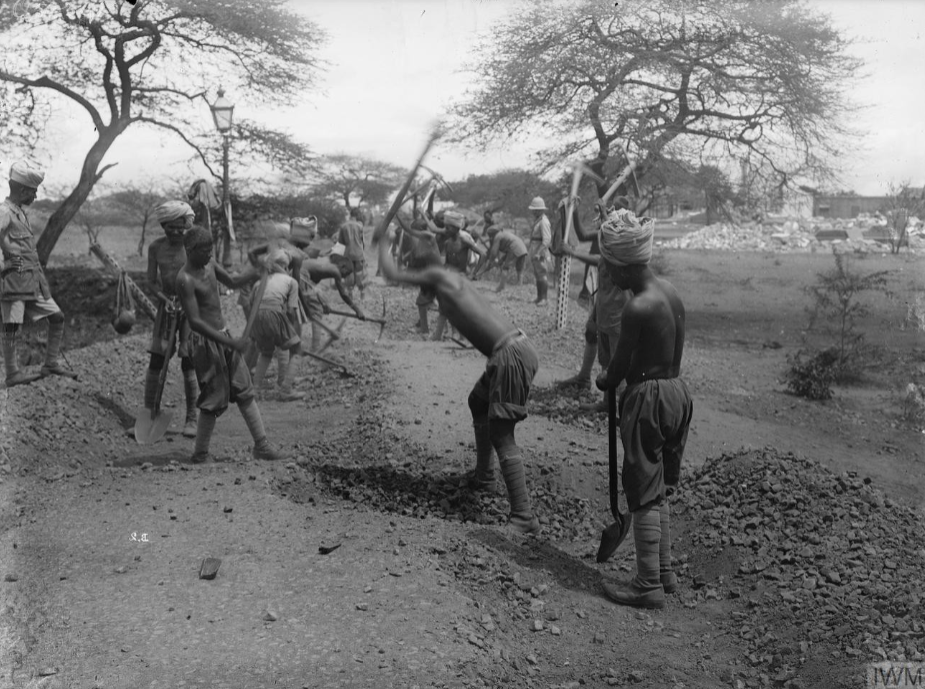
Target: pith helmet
{"x": 537, "y": 204}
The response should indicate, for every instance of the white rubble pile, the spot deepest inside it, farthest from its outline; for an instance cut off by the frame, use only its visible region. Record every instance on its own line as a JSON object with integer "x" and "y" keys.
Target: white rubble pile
{"x": 864, "y": 234}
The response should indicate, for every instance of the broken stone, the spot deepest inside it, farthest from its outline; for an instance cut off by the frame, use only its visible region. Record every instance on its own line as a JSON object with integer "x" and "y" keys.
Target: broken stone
{"x": 209, "y": 568}
{"x": 270, "y": 616}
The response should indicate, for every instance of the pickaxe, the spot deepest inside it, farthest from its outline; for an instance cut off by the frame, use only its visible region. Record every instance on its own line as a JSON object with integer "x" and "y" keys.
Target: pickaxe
{"x": 400, "y": 196}
{"x": 437, "y": 176}
{"x": 380, "y": 321}
{"x": 605, "y": 199}
{"x": 330, "y": 362}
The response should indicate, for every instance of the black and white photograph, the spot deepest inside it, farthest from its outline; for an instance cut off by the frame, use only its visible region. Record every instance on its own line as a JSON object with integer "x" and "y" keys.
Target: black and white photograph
{"x": 542, "y": 344}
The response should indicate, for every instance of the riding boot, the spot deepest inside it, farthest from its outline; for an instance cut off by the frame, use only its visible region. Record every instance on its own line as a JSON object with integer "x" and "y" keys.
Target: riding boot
{"x": 55, "y": 337}
{"x": 645, "y": 589}
{"x": 14, "y": 376}
{"x": 512, "y": 469}
{"x": 191, "y": 392}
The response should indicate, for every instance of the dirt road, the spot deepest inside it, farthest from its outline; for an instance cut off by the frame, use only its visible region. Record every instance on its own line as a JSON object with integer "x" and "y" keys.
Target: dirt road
{"x": 361, "y": 562}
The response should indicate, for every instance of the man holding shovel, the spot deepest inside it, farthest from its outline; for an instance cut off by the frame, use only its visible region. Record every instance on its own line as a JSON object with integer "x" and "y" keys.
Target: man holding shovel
{"x": 166, "y": 256}
{"x": 655, "y": 408}
{"x": 499, "y": 399}
{"x": 223, "y": 376}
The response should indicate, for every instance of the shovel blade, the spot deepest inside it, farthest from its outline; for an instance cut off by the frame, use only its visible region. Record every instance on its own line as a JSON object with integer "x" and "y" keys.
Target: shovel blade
{"x": 613, "y": 536}
{"x": 151, "y": 428}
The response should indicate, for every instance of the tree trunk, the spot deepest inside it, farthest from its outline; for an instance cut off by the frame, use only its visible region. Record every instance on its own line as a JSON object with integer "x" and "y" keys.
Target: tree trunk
{"x": 89, "y": 175}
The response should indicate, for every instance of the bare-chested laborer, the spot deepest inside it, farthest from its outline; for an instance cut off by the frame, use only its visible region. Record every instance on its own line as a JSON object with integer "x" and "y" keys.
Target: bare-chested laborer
{"x": 166, "y": 256}
{"x": 313, "y": 272}
{"x": 655, "y": 408}
{"x": 499, "y": 399}
{"x": 223, "y": 376}
{"x": 602, "y": 329}
{"x": 506, "y": 247}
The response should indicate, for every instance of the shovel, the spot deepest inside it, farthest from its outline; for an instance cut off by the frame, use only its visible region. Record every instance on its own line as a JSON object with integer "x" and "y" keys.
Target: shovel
{"x": 150, "y": 426}
{"x": 613, "y": 535}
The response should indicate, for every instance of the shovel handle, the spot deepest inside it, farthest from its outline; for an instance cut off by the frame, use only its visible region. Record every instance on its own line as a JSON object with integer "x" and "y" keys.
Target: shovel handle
{"x": 380, "y": 321}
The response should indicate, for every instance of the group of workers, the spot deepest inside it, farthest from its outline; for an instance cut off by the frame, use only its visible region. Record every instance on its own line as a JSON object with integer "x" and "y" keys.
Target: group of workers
{"x": 643, "y": 351}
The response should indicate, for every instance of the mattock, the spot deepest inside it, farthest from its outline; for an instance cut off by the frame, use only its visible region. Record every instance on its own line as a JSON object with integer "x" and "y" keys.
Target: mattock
{"x": 381, "y": 321}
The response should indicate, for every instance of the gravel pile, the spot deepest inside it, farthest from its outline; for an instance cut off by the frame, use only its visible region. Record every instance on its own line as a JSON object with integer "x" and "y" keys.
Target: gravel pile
{"x": 823, "y": 558}
{"x": 865, "y": 234}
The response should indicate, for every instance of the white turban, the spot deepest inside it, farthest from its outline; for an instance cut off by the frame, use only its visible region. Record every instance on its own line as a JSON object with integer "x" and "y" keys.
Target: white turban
{"x": 173, "y": 210}
{"x": 25, "y": 174}
{"x": 625, "y": 239}
{"x": 454, "y": 219}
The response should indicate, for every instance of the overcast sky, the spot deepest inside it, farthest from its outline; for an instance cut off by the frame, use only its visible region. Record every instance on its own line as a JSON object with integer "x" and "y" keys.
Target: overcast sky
{"x": 395, "y": 64}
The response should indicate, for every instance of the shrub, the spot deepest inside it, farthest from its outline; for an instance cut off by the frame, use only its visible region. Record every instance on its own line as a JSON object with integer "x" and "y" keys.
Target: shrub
{"x": 812, "y": 378}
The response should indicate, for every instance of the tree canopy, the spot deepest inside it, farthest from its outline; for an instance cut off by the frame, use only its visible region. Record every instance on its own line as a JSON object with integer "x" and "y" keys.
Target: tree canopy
{"x": 357, "y": 179}
{"x": 509, "y": 191}
{"x": 699, "y": 81}
{"x": 148, "y": 63}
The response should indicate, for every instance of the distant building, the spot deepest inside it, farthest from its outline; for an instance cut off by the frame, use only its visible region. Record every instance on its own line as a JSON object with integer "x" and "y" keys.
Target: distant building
{"x": 848, "y": 206}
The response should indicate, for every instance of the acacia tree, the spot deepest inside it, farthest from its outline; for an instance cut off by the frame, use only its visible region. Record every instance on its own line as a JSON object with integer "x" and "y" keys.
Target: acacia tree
{"x": 509, "y": 191}
{"x": 355, "y": 178}
{"x": 139, "y": 202}
{"x": 664, "y": 78}
{"x": 147, "y": 63}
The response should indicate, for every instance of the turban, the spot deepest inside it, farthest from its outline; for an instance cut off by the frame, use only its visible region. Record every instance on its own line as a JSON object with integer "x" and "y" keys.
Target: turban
{"x": 625, "y": 239}
{"x": 454, "y": 219}
{"x": 280, "y": 257}
{"x": 25, "y": 174}
{"x": 173, "y": 210}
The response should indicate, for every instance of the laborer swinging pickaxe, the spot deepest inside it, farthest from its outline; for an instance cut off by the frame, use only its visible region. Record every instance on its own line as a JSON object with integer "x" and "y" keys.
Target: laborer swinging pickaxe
{"x": 579, "y": 170}
{"x": 381, "y": 321}
{"x": 401, "y": 196}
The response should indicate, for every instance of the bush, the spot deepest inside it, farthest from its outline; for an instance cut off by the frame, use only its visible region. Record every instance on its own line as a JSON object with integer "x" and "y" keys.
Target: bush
{"x": 812, "y": 378}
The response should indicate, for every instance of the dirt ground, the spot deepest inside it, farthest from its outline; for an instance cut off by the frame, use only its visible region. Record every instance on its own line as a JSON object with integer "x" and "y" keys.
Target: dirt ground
{"x": 362, "y": 562}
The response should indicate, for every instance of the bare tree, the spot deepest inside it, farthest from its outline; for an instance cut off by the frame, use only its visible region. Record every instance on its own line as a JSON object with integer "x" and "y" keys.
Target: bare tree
{"x": 904, "y": 202}
{"x": 139, "y": 202}
{"x": 148, "y": 63}
{"x": 690, "y": 80}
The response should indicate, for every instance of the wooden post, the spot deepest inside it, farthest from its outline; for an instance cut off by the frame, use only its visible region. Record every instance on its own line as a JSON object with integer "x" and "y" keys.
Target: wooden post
{"x": 140, "y": 297}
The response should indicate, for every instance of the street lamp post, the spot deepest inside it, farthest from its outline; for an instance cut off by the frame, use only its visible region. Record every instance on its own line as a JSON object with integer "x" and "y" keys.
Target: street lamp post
{"x": 223, "y": 116}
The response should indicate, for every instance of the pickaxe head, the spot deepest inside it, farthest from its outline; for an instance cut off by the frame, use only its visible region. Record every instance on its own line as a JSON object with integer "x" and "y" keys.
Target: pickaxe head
{"x": 437, "y": 176}
{"x": 581, "y": 169}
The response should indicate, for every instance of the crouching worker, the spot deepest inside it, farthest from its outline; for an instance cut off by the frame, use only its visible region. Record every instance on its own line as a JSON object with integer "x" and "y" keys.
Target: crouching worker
{"x": 655, "y": 408}
{"x": 220, "y": 369}
{"x": 499, "y": 399}
{"x": 277, "y": 325}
